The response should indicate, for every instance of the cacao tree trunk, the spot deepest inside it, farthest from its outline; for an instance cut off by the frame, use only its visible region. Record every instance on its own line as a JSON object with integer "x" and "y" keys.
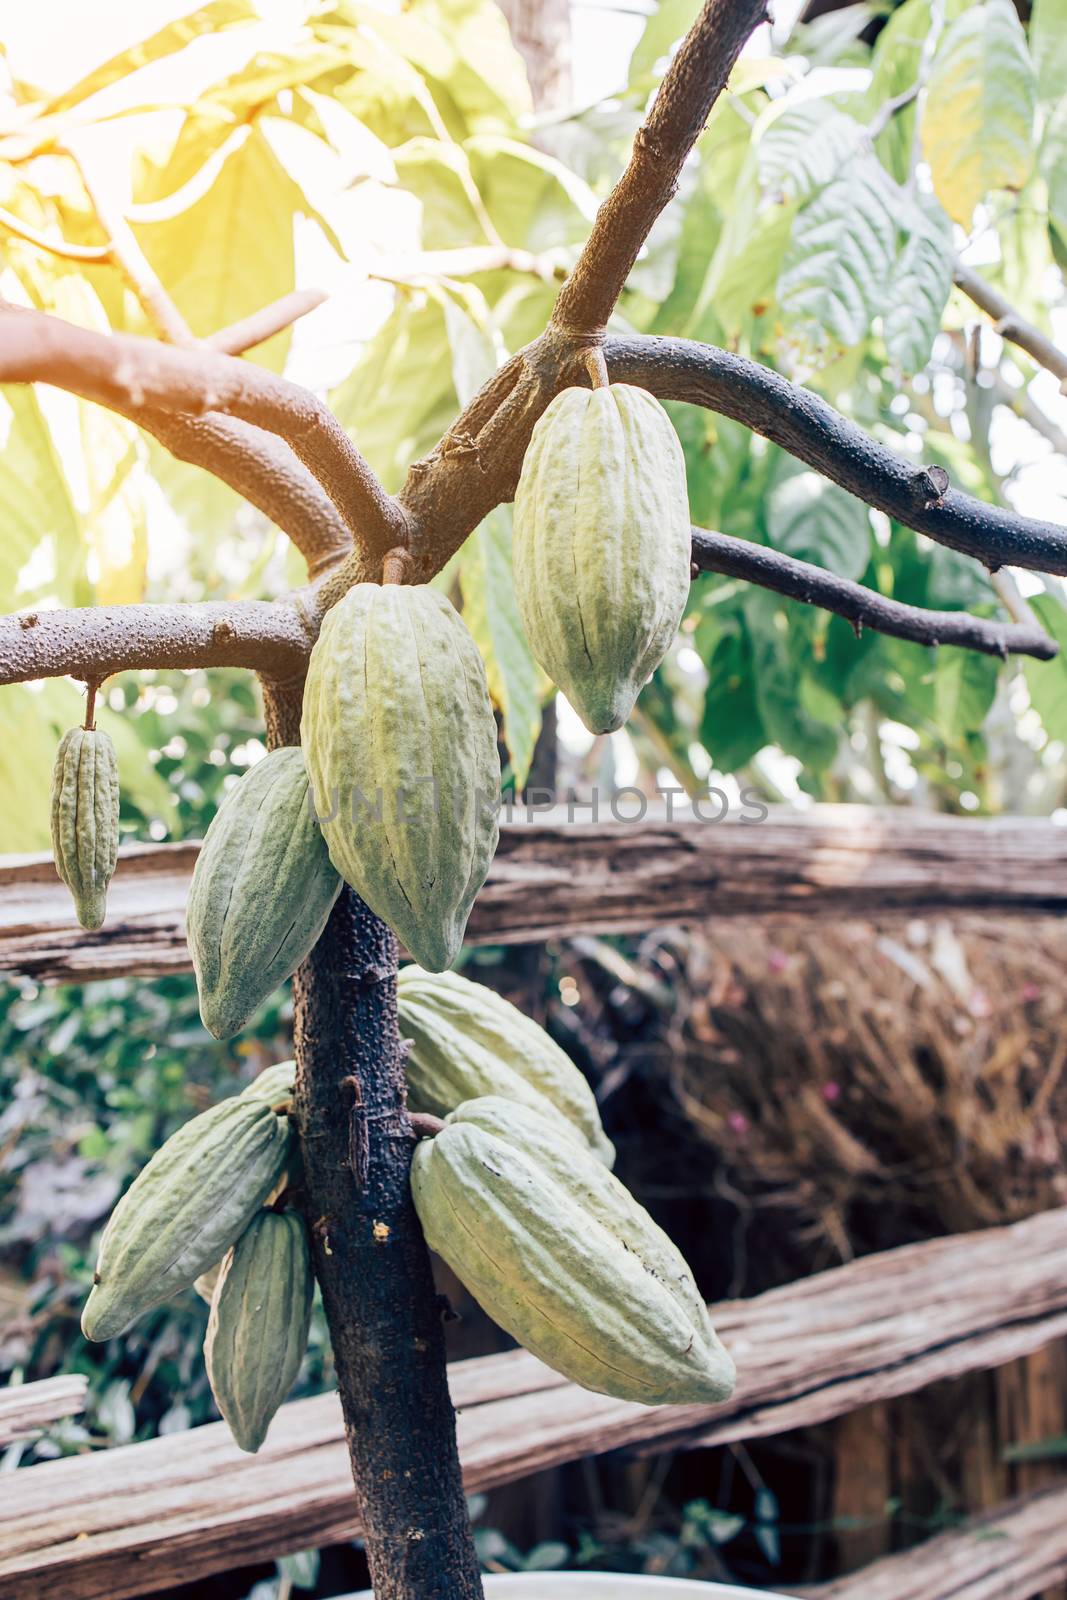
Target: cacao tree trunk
{"x": 369, "y": 1254}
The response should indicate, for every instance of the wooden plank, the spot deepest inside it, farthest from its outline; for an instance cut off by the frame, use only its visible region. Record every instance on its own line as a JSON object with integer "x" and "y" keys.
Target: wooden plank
{"x": 1011, "y": 1553}
{"x": 26, "y": 1409}
{"x": 555, "y": 876}
{"x": 142, "y": 1517}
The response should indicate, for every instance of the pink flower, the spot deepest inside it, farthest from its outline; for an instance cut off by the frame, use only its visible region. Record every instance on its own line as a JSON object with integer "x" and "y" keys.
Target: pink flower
{"x": 738, "y": 1121}
{"x": 777, "y": 961}
{"x": 1030, "y": 992}
{"x": 831, "y": 1091}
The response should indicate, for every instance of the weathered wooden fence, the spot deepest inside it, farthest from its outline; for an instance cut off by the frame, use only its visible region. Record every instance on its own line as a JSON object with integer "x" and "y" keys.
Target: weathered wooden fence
{"x": 140, "y": 1518}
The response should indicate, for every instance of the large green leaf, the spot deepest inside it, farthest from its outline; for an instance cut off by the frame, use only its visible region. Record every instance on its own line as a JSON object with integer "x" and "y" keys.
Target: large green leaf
{"x": 837, "y": 272}
{"x": 895, "y": 65}
{"x": 231, "y": 251}
{"x": 438, "y": 173}
{"x": 667, "y": 24}
{"x": 534, "y": 200}
{"x": 491, "y": 612}
{"x": 1048, "y": 47}
{"x": 781, "y": 651}
{"x": 814, "y": 520}
{"x": 731, "y": 728}
{"x": 978, "y": 114}
{"x": 920, "y": 286}
{"x": 40, "y": 545}
{"x": 1047, "y": 680}
{"x": 964, "y": 686}
{"x": 805, "y": 147}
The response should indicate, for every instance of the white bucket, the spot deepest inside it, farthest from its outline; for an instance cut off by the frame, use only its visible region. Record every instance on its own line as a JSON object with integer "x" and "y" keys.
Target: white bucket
{"x": 603, "y": 1586}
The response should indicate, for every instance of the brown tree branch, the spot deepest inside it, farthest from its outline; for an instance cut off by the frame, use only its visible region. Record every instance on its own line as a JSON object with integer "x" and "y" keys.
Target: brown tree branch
{"x": 130, "y": 375}
{"x": 811, "y": 430}
{"x": 1008, "y": 322}
{"x": 696, "y": 78}
{"x": 800, "y": 580}
{"x": 265, "y": 323}
{"x": 92, "y": 642}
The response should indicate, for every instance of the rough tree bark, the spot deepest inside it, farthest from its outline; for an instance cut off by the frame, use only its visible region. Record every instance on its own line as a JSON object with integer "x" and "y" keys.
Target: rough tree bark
{"x": 370, "y": 1258}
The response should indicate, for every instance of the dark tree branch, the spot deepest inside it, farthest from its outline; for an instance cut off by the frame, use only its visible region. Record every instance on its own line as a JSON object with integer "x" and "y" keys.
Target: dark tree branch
{"x": 800, "y": 580}
{"x": 92, "y": 642}
{"x": 811, "y": 430}
{"x": 696, "y": 78}
{"x": 1009, "y": 324}
{"x": 131, "y": 375}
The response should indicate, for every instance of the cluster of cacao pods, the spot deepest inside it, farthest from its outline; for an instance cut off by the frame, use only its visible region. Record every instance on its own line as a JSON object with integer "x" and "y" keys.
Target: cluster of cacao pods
{"x": 203, "y": 1214}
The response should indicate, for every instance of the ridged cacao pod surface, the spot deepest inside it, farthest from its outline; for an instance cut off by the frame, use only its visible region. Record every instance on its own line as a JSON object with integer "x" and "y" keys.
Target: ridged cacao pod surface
{"x": 184, "y": 1209}
{"x": 468, "y": 1041}
{"x": 85, "y": 819}
{"x": 561, "y": 1255}
{"x": 602, "y": 546}
{"x": 401, "y": 747}
{"x": 261, "y": 891}
{"x": 275, "y": 1084}
{"x": 258, "y": 1328}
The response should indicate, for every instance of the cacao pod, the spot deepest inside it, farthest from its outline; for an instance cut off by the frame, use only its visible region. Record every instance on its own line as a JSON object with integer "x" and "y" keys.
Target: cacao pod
{"x": 258, "y": 1328}
{"x": 184, "y": 1209}
{"x": 468, "y": 1041}
{"x": 274, "y": 1084}
{"x": 561, "y": 1255}
{"x": 602, "y": 546}
{"x": 85, "y": 819}
{"x": 261, "y": 891}
{"x": 401, "y": 748}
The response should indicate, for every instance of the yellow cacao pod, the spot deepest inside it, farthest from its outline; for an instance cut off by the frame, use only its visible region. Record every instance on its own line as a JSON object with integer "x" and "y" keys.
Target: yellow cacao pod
{"x": 561, "y": 1255}
{"x": 258, "y": 1328}
{"x": 401, "y": 747}
{"x": 85, "y": 819}
{"x": 183, "y": 1211}
{"x": 261, "y": 892}
{"x": 602, "y": 546}
{"x": 468, "y": 1041}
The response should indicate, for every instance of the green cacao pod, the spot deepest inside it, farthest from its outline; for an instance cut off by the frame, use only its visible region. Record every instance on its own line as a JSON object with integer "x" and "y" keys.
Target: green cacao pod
{"x": 261, "y": 891}
{"x": 85, "y": 819}
{"x": 401, "y": 748}
{"x": 183, "y": 1211}
{"x": 561, "y": 1255}
{"x": 274, "y": 1084}
{"x": 467, "y": 1041}
{"x": 602, "y": 546}
{"x": 258, "y": 1328}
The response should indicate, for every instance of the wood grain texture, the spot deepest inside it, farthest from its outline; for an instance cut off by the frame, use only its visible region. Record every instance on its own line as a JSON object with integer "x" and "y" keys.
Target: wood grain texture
{"x": 142, "y": 1517}
{"x": 555, "y": 876}
{"x": 26, "y": 1409}
{"x": 1011, "y": 1553}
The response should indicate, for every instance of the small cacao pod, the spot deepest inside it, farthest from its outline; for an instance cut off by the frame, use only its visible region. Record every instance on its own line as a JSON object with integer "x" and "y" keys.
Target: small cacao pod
{"x": 258, "y": 1328}
{"x": 85, "y": 819}
{"x": 184, "y": 1209}
{"x": 401, "y": 748}
{"x": 261, "y": 891}
{"x": 274, "y": 1084}
{"x": 602, "y": 546}
{"x": 561, "y": 1255}
{"x": 468, "y": 1041}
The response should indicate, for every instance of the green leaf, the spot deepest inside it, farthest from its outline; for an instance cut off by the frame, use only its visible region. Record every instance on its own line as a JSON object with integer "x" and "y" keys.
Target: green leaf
{"x": 491, "y": 612}
{"x": 1048, "y": 48}
{"x": 895, "y": 65}
{"x": 40, "y": 544}
{"x": 209, "y": 19}
{"x": 806, "y": 147}
{"x": 921, "y": 282}
{"x": 1047, "y": 680}
{"x": 814, "y": 520}
{"x": 535, "y": 202}
{"x": 837, "y": 273}
{"x": 231, "y": 251}
{"x": 399, "y": 397}
{"x": 1052, "y": 163}
{"x": 731, "y": 729}
{"x": 964, "y": 686}
{"x": 438, "y": 173}
{"x": 978, "y": 114}
{"x": 668, "y": 23}
{"x": 781, "y": 645}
